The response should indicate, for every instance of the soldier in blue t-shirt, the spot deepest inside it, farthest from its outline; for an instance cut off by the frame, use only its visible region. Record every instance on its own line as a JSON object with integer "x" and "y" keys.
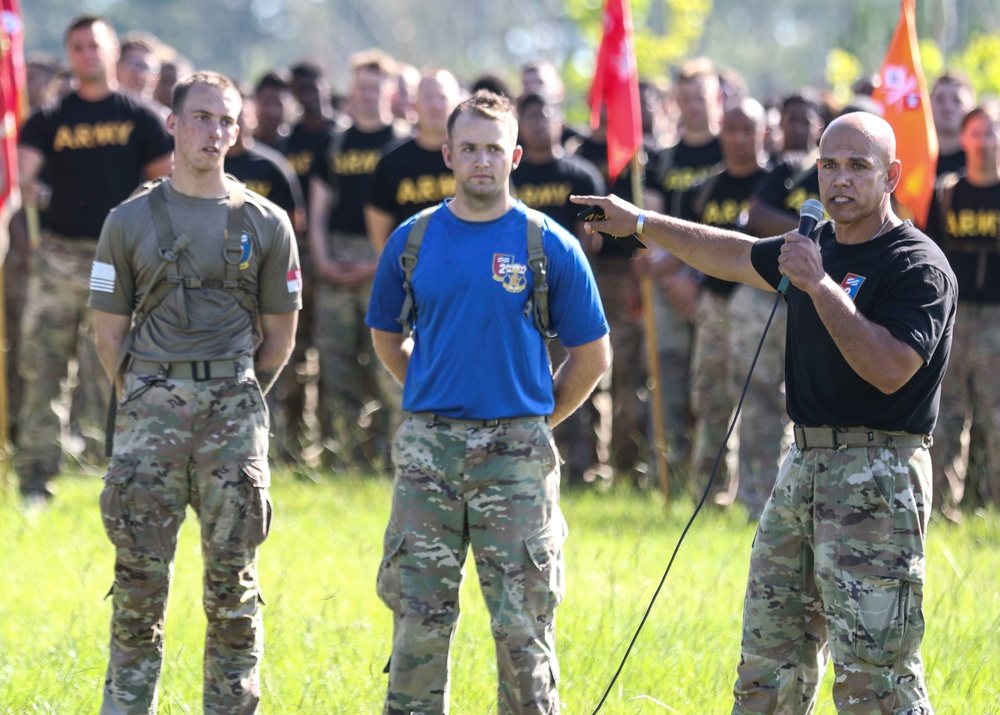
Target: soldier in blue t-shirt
{"x": 475, "y": 460}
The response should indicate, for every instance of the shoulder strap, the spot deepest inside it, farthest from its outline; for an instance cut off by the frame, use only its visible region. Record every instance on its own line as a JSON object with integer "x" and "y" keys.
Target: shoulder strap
{"x": 408, "y": 261}
{"x": 539, "y": 264}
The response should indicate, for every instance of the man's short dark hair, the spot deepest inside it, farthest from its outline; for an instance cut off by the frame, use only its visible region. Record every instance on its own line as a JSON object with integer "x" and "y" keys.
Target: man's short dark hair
{"x": 488, "y": 105}
{"x": 271, "y": 80}
{"x": 212, "y": 79}
{"x": 307, "y": 70}
{"x": 82, "y": 22}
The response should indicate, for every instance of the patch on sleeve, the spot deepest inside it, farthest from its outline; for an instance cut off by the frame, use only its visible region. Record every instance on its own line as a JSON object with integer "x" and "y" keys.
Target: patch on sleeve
{"x": 294, "y": 279}
{"x": 102, "y": 277}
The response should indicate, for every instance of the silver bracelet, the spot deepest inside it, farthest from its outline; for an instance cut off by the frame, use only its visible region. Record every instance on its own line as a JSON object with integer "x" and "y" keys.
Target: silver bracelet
{"x": 639, "y": 222}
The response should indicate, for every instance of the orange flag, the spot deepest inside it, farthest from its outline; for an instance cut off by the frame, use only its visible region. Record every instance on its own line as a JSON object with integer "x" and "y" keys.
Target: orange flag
{"x": 903, "y": 94}
{"x": 616, "y": 87}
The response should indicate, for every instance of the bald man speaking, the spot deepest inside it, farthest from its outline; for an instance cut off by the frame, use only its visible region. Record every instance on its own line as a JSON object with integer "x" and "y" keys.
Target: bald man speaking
{"x": 838, "y": 559}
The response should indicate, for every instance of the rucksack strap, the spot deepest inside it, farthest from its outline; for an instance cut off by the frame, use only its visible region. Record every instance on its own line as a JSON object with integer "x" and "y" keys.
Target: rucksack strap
{"x": 408, "y": 261}
{"x": 539, "y": 264}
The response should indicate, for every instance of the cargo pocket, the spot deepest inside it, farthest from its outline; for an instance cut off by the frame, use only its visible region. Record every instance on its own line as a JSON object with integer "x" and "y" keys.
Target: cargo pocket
{"x": 387, "y": 584}
{"x": 255, "y": 479}
{"x": 888, "y": 619}
{"x": 545, "y": 570}
{"x": 115, "y": 511}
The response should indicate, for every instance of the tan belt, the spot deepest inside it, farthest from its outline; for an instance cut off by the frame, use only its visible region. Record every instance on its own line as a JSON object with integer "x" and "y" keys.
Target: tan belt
{"x": 455, "y": 422}
{"x": 197, "y": 370}
{"x": 833, "y": 438}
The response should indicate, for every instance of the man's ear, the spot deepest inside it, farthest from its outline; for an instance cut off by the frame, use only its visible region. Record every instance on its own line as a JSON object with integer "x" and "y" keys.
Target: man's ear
{"x": 892, "y": 175}
{"x": 518, "y": 153}
{"x": 171, "y": 124}
{"x": 446, "y": 153}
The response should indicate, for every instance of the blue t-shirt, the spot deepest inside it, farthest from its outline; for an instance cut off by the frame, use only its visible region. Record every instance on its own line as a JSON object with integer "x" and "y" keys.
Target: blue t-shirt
{"x": 476, "y": 353}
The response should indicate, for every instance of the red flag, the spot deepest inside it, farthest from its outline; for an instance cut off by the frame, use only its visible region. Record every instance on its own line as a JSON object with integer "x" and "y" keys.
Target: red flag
{"x": 616, "y": 87}
{"x": 12, "y": 97}
{"x": 903, "y": 94}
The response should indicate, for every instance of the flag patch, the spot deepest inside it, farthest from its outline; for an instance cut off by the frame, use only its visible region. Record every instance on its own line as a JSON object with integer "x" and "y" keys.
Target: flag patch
{"x": 294, "y": 279}
{"x": 102, "y": 277}
{"x": 852, "y": 284}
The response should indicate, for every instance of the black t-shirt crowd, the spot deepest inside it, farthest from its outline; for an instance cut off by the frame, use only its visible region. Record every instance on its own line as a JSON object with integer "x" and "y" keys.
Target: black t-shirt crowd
{"x": 409, "y": 179}
{"x": 547, "y": 187}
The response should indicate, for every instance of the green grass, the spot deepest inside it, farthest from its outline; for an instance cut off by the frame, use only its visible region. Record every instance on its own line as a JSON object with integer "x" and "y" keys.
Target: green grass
{"x": 327, "y": 634}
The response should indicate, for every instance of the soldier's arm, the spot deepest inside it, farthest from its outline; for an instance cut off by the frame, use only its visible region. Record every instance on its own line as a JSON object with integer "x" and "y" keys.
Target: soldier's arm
{"x": 159, "y": 167}
{"x": 278, "y": 331}
{"x": 394, "y": 352}
{"x": 578, "y": 375}
{"x": 110, "y": 331}
{"x": 380, "y": 225}
{"x": 29, "y": 165}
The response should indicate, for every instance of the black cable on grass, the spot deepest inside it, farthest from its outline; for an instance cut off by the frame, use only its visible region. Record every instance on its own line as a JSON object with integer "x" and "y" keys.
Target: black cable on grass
{"x": 704, "y": 496}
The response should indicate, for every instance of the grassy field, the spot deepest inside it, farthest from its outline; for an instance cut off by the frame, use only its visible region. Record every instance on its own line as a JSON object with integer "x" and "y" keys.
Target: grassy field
{"x": 328, "y": 635}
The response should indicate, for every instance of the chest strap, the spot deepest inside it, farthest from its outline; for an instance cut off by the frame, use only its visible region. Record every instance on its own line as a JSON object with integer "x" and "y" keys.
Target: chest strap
{"x": 538, "y": 304}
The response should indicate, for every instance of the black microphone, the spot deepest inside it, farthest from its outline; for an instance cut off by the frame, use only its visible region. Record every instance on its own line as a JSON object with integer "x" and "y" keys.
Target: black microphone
{"x": 809, "y": 215}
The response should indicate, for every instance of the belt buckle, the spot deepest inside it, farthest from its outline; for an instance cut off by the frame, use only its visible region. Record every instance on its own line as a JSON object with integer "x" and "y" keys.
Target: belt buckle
{"x": 491, "y": 423}
{"x": 196, "y": 373}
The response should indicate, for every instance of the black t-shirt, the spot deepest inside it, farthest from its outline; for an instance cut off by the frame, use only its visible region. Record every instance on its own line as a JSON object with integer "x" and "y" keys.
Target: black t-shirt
{"x": 267, "y": 173}
{"x": 969, "y": 233}
{"x": 409, "y": 179}
{"x": 597, "y": 154}
{"x": 348, "y": 165}
{"x": 679, "y": 167}
{"x": 900, "y": 280}
{"x": 788, "y": 186}
{"x": 547, "y": 187}
{"x": 94, "y": 153}
{"x": 720, "y": 200}
{"x": 301, "y": 149}
{"x": 947, "y": 163}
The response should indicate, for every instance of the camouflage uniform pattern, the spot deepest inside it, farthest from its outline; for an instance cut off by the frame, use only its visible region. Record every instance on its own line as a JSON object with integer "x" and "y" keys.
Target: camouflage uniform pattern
{"x": 56, "y": 329}
{"x": 711, "y": 402}
{"x": 838, "y": 561}
{"x": 359, "y": 400}
{"x": 764, "y": 430}
{"x": 628, "y": 418}
{"x": 675, "y": 337}
{"x": 970, "y": 384}
{"x": 496, "y": 489}
{"x": 180, "y": 442}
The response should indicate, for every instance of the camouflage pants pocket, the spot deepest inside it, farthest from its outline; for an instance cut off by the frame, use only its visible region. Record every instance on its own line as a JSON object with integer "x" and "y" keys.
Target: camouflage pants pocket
{"x": 258, "y": 509}
{"x": 114, "y": 502}
{"x": 545, "y": 572}
{"x": 886, "y": 618}
{"x": 387, "y": 584}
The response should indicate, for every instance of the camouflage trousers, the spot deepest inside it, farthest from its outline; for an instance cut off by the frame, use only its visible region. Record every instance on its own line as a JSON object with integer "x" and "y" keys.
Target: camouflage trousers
{"x": 970, "y": 393}
{"x": 711, "y": 401}
{"x": 675, "y": 337}
{"x": 496, "y": 489}
{"x": 180, "y": 442}
{"x": 837, "y": 568}
{"x": 57, "y": 329}
{"x": 764, "y": 431}
{"x": 360, "y": 402}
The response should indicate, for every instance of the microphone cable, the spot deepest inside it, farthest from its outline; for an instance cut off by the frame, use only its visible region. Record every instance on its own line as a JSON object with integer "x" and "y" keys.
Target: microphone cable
{"x": 697, "y": 510}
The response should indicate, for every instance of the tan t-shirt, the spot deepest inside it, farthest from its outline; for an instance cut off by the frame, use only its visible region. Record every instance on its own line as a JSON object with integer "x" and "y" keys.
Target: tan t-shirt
{"x": 204, "y": 323}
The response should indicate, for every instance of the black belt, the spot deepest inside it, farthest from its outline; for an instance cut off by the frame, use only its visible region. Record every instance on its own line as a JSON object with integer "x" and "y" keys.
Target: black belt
{"x": 198, "y": 370}
{"x": 455, "y": 422}
{"x": 833, "y": 438}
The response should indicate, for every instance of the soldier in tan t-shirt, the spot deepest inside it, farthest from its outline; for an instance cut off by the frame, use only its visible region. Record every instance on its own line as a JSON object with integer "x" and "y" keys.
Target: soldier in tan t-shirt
{"x": 195, "y": 290}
